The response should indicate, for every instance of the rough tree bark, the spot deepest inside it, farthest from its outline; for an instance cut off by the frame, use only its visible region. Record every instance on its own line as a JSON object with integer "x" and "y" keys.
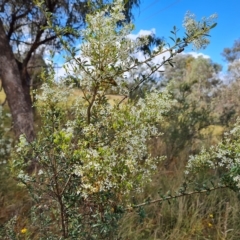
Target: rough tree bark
{"x": 14, "y": 82}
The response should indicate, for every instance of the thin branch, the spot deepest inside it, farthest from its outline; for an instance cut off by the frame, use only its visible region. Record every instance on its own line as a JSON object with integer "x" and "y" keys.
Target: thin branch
{"x": 50, "y": 8}
{"x": 91, "y": 104}
{"x": 176, "y": 196}
{"x": 66, "y": 184}
{"x": 144, "y": 79}
{"x": 85, "y": 96}
{"x": 19, "y": 41}
{"x": 46, "y": 40}
{"x": 33, "y": 47}
{"x": 13, "y": 21}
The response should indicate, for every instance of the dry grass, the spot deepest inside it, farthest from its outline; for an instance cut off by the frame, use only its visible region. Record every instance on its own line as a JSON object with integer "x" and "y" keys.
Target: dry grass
{"x": 212, "y": 134}
{"x": 113, "y": 99}
{"x": 202, "y": 217}
{"x": 2, "y": 96}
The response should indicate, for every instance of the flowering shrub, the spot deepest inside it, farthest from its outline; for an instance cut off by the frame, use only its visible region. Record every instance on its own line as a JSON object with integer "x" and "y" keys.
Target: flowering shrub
{"x": 77, "y": 161}
{"x": 88, "y": 157}
{"x": 192, "y": 28}
{"x": 223, "y": 158}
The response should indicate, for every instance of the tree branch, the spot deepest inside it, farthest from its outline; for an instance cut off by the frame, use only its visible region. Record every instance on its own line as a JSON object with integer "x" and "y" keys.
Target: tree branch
{"x": 176, "y": 196}
{"x": 13, "y": 21}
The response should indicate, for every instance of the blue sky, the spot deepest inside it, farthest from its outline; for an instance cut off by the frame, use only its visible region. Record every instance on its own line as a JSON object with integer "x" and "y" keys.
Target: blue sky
{"x": 162, "y": 15}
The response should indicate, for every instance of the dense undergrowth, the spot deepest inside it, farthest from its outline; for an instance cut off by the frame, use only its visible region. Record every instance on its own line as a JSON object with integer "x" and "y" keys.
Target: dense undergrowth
{"x": 201, "y": 216}
{"x": 98, "y": 161}
{"x": 212, "y": 215}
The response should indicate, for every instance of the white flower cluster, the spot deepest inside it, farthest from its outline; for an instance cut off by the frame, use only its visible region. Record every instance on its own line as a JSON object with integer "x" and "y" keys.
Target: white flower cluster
{"x": 117, "y": 157}
{"x": 22, "y": 143}
{"x": 23, "y": 177}
{"x": 107, "y": 54}
{"x": 53, "y": 94}
{"x": 225, "y": 155}
{"x": 192, "y": 28}
{"x": 110, "y": 153}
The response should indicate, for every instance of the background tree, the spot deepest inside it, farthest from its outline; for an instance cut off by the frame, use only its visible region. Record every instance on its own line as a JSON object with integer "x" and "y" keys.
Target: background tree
{"x": 233, "y": 53}
{"x": 232, "y": 56}
{"x": 35, "y": 67}
{"x": 227, "y": 104}
{"x": 192, "y": 82}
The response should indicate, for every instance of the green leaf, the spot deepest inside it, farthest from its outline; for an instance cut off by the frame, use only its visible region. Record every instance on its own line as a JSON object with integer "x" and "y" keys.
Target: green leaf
{"x": 213, "y": 26}
{"x": 178, "y": 40}
{"x": 170, "y": 64}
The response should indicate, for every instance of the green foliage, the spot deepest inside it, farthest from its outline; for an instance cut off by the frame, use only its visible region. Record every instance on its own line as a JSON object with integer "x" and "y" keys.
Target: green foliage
{"x": 89, "y": 158}
{"x": 60, "y": 209}
{"x": 227, "y": 98}
{"x": 193, "y": 31}
{"x": 222, "y": 158}
{"x": 5, "y": 138}
{"x": 232, "y": 54}
{"x": 192, "y": 82}
{"x": 82, "y": 170}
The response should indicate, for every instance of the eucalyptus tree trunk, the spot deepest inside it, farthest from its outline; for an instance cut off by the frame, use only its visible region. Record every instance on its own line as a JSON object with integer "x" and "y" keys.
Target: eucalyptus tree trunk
{"x": 14, "y": 79}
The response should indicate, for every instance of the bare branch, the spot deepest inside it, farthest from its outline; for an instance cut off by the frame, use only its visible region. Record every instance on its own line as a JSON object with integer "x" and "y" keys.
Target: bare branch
{"x": 176, "y": 196}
